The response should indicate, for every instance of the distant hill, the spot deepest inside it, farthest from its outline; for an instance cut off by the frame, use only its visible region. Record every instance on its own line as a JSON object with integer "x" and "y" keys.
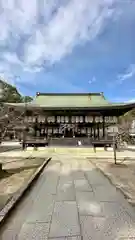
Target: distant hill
{"x": 9, "y": 93}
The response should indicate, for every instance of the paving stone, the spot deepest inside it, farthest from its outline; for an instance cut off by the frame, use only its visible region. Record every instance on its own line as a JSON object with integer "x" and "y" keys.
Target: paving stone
{"x": 92, "y": 227}
{"x": 42, "y": 209}
{"x": 85, "y": 196}
{"x": 103, "y": 228}
{"x": 65, "y": 220}
{"x": 113, "y": 209}
{"x": 50, "y": 185}
{"x": 34, "y": 231}
{"x": 66, "y": 193}
{"x": 87, "y": 204}
{"x": 82, "y": 185}
{"x": 78, "y": 175}
{"x": 9, "y": 234}
{"x": 65, "y": 189}
{"x": 104, "y": 213}
{"x": 107, "y": 193}
{"x": 96, "y": 178}
{"x": 67, "y": 238}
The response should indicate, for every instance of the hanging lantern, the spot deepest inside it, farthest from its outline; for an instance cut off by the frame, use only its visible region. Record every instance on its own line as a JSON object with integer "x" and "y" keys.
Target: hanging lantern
{"x": 48, "y": 119}
{"x": 115, "y": 119}
{"x": 81, "y": 119}
{"x": 96, "y": 119}
{"x": 101, "y": 119}
{"x": 58, "y": 119}
{"x": 77, "y": 119}
{"x": 52, "y": 119}
{"x": 66, "y": 119}
{"x": 90, "y": 119}
{"x": 86, "y": 119}
{"x": 42, "y": 119}
{"x": 62, "y": 119}
{"x": 73, "y": 119}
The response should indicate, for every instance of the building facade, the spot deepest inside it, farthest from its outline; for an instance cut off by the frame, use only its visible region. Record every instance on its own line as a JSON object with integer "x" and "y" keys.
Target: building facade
{"x": 83, "y": 115}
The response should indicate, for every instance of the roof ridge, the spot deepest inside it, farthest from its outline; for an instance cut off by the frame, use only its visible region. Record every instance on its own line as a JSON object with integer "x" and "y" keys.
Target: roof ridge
{"x": 71, "y": 94}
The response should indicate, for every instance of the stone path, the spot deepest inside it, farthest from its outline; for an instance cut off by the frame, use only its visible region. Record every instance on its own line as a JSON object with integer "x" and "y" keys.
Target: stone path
{"x": 71, "y": 201}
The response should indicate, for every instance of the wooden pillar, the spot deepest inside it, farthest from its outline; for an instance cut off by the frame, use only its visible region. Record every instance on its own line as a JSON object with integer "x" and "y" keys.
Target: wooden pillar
{"x": 94, "y": 127}
{"x": 35, "y": 127}
{"x": 103, "y": 127}
{"x": 94, "y": 131}
{"x": 24, "y": 138}
{"x": 98, "y": 130}
{"x": 46, "y": 132}
{"x": 91, "y": 131}
{"x": 40, "y": 129}
{"x": 73, "y": 130}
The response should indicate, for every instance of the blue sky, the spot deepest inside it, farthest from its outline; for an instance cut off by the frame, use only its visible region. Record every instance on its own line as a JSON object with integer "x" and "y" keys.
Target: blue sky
{"x": 69, "y": 46}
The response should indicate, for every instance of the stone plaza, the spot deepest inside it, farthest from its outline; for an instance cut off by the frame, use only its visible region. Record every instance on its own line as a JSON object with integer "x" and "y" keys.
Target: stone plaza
{"x": 71, "y": 199}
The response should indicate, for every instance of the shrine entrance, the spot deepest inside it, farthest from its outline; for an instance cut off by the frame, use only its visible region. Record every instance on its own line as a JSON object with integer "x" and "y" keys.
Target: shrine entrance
{"x": 68, "y": 132}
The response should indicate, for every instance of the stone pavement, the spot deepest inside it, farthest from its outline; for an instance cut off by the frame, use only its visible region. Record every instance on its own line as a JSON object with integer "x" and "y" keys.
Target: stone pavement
{"x": 72, "y": 200}
{"x": 122, "y": 175}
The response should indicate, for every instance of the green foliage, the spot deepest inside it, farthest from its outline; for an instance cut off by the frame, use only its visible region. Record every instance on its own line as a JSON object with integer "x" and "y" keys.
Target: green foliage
{"x": 10, "y": 94}
{"x": 27, "y": 99}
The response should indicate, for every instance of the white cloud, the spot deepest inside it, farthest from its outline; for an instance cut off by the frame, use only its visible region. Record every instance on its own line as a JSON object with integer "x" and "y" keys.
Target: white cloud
{"x": 130, "y": 72}
{"x": 131, "y": 100}
{"x": 11, "y": 58}
{"x": 73, "y": 23}
{"x": 64, "y": 25}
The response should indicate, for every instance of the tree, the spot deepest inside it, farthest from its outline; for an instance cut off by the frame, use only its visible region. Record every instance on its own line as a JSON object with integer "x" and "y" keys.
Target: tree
{"x": 124, "y": 127}
{"x": 10, "y": 94}
{"x": 27, "y": 99}
{"x": 123, "y": 136}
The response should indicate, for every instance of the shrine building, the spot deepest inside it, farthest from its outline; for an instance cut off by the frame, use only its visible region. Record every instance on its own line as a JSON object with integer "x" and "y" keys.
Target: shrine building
{"x": 70, "y": 115}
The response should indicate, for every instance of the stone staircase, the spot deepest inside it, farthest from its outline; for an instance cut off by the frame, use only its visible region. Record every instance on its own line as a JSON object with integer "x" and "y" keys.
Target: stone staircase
{"x": 69, "y": 142}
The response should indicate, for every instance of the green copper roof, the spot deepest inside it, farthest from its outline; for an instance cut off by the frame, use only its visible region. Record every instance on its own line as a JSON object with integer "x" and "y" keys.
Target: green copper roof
{"x": 70, "y": 100}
